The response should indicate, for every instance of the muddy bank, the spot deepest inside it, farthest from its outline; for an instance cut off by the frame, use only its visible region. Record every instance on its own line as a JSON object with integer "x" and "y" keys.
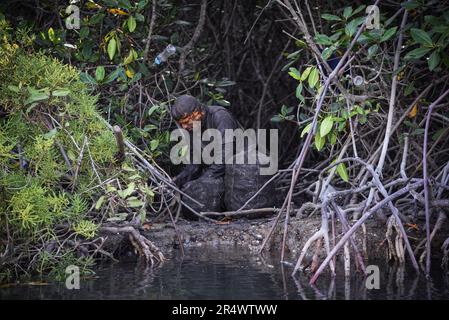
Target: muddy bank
{"x": 251, "y": 233}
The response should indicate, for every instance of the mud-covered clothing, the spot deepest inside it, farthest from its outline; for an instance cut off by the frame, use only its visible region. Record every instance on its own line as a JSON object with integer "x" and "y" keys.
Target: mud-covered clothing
{"x": 216, "y": 117}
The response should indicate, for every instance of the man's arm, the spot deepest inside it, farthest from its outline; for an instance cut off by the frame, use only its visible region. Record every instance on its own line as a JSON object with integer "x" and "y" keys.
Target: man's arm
{"x": 222, "y": 120}
{"x": 190, "y": 172}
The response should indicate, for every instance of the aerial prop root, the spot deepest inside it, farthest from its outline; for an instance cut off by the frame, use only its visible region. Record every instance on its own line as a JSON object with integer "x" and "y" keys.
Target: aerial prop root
{"x": 143, "y": 246}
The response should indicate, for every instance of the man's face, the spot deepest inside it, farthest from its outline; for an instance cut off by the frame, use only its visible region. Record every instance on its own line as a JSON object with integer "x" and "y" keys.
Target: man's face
{"x": 186, "y": 122}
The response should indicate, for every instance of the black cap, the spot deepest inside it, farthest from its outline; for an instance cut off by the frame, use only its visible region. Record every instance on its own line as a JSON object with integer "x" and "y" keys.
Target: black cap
{"x": 185, "y": 105}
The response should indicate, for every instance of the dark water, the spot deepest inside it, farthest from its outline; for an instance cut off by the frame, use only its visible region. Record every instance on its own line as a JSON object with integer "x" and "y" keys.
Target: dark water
{"x": 232, "y": 273}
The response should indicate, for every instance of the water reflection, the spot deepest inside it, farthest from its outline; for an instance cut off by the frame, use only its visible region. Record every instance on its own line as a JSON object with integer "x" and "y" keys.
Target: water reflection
{"x": 234, "y": 273}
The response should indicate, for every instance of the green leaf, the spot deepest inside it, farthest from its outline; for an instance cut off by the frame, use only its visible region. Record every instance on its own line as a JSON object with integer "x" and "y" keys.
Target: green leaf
{"x": 360, "y": 8}
{"x": 284, "y": 110}
{"x": 84, "y": 32}
{"x": 327, "y": 52}
{"x": 300, "y": 43}
{"x": 342, "y": 172}
{"x": 421, "y": 37}
{"x": 134, "y": 202}
{"x": 438, "y": 133}
{"x": 326, "y": 126}
{"x": 294, "y": 73}
{"x": 330, "y": 17}
{"x": 131, "y": 22}
{"x": 375, "y": 34}
{"x": 113, "y": 75}
{"x": 319, "y": 141}
{"x": 60, "y": 93}
{"x": 154, "y": 144}
{"x": 99, "y": 203}
{"x": 128, "y": 191}
{"x": 31, "y": 107}
{"x": 99, "y": 73}
{"x": 336, "y": 35}
{"x": 351, "y": 27}
{"x": 71, "y": 155}
{"x": 417, "y": 53}
{"x": 124, "y": 4}
{"x": 299, "y": 91}
{"x": 305, "y": 74}
{"x": 332, "y": 138}
{"x": 372, "y": 50}
{"x": 306, "y": 129}
{"x": 388, "y": 34}
{"x": 50, "y": 134}
{"x": 130, "y": 57}
{"x": 112, "y": 47}
{"x": 313, "y": 77}
{"x": 347, "y": 12}
{"x": 140, "y": 17}
{"x": 409, "y": 89}
{"x": 127, "y": 168}
{"x": 152, "y": 109}
{"x": 14, "y": 88}
{"x": 323, "y": 39}
{"x": 276, "y": 118}
{"x": 410, "y": 5}
{"x": 35, "y": 97}
{"x": 433, "y": 61}
{"x": 96, "y": 18}
{"x": 87, "y": 78}
{"x": 51, "y": 34}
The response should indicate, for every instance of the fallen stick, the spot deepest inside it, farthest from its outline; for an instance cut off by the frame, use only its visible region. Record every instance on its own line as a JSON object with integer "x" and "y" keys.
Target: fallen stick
{"x": 239, "y": 213}
{"x": 120, "y": 143}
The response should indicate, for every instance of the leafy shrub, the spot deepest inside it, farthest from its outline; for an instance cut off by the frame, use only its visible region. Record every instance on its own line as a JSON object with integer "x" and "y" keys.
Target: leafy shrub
{"x": 55, "y": 152}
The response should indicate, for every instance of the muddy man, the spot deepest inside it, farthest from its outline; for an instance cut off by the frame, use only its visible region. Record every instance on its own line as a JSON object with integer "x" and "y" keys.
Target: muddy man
{"x": 185, "y": 111}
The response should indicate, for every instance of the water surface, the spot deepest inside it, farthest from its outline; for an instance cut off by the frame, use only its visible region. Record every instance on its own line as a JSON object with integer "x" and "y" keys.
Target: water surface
{"x": 232, "y": 273}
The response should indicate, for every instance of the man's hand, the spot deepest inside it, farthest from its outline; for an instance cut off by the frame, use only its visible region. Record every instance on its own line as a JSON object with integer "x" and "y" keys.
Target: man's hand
{"x": 176, "y": 180}
{"x": 190, "y": 172}
{"x": 179, "y": 180}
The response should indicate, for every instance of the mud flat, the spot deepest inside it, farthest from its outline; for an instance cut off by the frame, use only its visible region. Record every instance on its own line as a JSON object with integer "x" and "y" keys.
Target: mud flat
{"x": 251, "y": 233}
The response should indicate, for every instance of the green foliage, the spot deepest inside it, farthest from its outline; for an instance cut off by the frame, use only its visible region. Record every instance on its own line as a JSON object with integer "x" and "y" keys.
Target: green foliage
{"x": 109, "y": 50}
{"x": 284, "y": 114}
{"x": 31, "y": 80}
{"x": 343, "y": 172}
{"x": 433, "y": 43}
{"x": 56, "y": 266}
{"x": 428, "y": 40}
{"x": 43, "y": 156}
{"x": 78, "y": 208}
{"x": 34, "y": 207}
{"x": 85, "y": 228}
{"x": 101, "y": 148}
{"x": 53, "y": 150}
{"x": 326, "y": 126}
